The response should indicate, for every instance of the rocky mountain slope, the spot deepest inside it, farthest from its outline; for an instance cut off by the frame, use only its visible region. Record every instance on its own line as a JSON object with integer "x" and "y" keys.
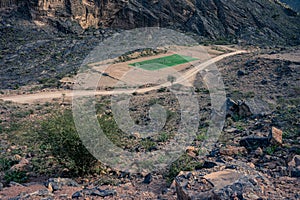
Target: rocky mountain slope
{"x": 295, "y": 4}
{"x": 254, "y": 21}
{"x": 257, "y": 155}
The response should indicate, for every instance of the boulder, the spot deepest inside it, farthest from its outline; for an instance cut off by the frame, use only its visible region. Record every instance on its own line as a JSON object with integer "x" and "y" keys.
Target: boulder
{"x": 240, "y": 109}
{"x": 148, "y": 178}
{"x": 224, "y": 184}
{"x": 23, "y": 165}
{"x": 295, "y": 162}
{"x": 253, "y": 142}
{"x": 294, "y": 166}
{"x": 232, "y": 150}
{"x": 96, "y": 192}
{"x": 55, "y": 184}
{"x": 275, "y": 136}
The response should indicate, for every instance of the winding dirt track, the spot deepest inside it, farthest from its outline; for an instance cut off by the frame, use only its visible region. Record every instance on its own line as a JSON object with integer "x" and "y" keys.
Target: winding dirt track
{"x": 32, "y": 98}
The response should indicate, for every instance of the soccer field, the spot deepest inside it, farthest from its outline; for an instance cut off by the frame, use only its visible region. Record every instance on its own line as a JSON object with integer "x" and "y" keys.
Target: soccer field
{"x": 163, "y": 62}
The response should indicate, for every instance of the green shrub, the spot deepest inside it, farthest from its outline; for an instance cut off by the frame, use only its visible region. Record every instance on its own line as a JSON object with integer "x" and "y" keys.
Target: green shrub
{"x": 6, "y": 164}
{"x": 148, "y": 144}
{"x": 163, "y": 137}
{"x": 270, "y": 150}
{"x": 59, "y": 134}
{"x": 16, "y": 176}
{"x": 201, "y": 137}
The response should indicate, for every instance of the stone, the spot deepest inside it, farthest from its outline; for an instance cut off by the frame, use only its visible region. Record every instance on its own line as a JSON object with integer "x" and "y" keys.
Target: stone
{"x": 17, "y": 157}
{"x": 251, "y": 165}
{"x": 50, "y": 188}
{"x": 295, "y": 172}
{"x": 192, "y": 151}
{"x": 241, "y": 73}
{"x": 77, "y": 195}
{"x": 55, "y": 184}
{"x": 244, "y": 109}
{"x": 21, "y": 166}
{"x": 105, "y": 193}
{"x": 94, "y": 192}
{"x": 259, "y": 152}
{"x": 253, "y": 142}
{"x": 209, "y": 164}
{"x": 231, "y": 107}
{"x": 148, "y": 178}
{"x": 43, "y": 193}
{"x": 295, "y": 162}
{"x": 240, "y": 108}
{"x": 294, "y": 166}
{"x": 232, "y": 150}
{"x": 264, "y": 82}
{"x": 224, "y": 184}
{"x": 231, "y": 130}
{"x": 186, "y": 190}
{"x": 12, "y": 183}
{"x": 275, "y": 136}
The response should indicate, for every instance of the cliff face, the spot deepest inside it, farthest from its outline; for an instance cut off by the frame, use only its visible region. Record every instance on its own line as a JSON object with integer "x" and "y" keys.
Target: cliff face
{"x": 87, "y": 13}
{"x": 213, "y": 19}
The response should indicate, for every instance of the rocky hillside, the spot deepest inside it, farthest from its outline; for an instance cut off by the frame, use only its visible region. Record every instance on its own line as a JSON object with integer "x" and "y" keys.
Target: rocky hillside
{"x": 295, "y": 4}
{"x": 254, "y": 21}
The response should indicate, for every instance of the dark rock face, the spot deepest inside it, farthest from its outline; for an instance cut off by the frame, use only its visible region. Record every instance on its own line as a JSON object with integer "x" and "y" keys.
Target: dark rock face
{"x": 295, "y": 4}
{"x": 254, "y": 21}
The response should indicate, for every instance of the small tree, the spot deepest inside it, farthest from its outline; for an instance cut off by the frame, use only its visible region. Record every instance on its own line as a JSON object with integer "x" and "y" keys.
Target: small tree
{"x": 171, "y": 79}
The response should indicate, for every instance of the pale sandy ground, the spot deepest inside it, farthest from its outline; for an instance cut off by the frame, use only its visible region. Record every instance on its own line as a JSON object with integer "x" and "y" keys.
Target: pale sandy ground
{"x": 128, "y": 191}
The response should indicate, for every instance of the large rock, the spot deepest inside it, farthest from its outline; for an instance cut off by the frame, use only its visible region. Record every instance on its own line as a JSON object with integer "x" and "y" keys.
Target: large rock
{"x": 55, "y": 184}
{"x": 232, "y": 150}
{"x": 253, "y": 142}
{"x": 237, "y": 109}
{"x": 96, "y": 192}
{"x": 294, "y": 166}
{"x": 225, "y": 184}
{"x": 23, "y": 165}
{"x": 295, "y": 162}
{"x": 275, "y": 136}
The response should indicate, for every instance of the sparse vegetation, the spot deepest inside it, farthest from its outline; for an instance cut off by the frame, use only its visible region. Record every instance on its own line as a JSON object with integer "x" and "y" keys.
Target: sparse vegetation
{"x": 59, "y": 134}
{"x": 270, "y": 150}
{"x": 16, "y": 176}
{"x": 184, "y": 163}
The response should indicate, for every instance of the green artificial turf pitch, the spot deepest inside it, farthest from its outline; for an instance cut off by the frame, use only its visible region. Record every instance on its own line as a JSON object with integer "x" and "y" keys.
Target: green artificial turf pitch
{"x": 163, "y": 62}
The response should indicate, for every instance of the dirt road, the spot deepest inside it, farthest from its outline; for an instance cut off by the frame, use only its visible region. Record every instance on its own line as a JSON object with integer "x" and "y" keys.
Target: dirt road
{"x": 43, "y": 96}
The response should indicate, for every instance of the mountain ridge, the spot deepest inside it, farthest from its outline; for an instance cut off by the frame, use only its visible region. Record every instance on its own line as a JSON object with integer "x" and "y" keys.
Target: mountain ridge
{"x": 253, "y": 21}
